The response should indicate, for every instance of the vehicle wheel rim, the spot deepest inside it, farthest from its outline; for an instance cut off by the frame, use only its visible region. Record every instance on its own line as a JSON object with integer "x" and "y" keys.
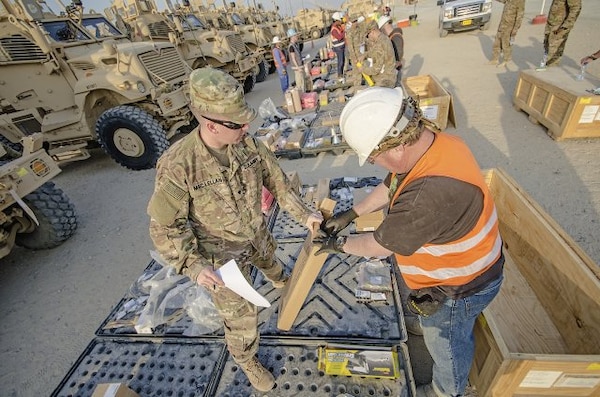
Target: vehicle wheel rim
{"x": 128, "y": 142}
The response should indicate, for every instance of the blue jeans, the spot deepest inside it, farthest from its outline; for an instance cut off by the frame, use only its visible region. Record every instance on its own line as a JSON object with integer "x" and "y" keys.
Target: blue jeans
{"x": 340, "y": 53}
{"x": 283, "y": 79}
{"x": 448, "y": 335}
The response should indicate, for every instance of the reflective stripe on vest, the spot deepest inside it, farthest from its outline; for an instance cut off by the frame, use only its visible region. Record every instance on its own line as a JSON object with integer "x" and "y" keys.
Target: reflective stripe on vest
{"x": 460, "y": 261}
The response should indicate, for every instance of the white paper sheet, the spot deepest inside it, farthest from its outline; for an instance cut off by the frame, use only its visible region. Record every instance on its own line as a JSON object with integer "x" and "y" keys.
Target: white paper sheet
{"x": 235, "y": 281}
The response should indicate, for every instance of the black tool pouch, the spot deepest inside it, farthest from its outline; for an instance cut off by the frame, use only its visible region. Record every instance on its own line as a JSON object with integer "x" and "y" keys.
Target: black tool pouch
{"x": 426, "y": 301}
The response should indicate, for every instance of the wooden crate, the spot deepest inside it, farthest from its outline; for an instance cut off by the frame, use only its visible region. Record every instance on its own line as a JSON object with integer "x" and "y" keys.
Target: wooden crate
{"x": 555, "y": 99}
{"x": 541, "y": 335}
{"x": 435, "y": 102}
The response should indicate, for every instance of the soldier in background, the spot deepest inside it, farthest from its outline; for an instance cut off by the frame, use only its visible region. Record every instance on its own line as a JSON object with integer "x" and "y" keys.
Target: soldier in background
{"x": 380, "y": 61}
{"x": 355, "y": 45}
{"x": 510, "y": 22}
{"x": 397, "y": 38}
{"x": 206, "y": 209}
{"x": 561, "y": 19}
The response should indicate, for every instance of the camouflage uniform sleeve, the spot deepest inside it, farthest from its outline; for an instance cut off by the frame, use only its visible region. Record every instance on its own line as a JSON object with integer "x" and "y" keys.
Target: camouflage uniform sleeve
{"x": 377, "y": 54}
{"x": 574, "y": 7}
{"x": 170, "y": 232}
{"x": 275, "y": 180}
{"x": 520, "y": 5}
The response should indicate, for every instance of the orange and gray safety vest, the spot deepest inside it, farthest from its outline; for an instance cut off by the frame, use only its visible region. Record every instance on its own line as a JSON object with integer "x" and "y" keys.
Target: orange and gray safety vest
{"x": 338, "y": 36}
{"x": 461, "y": 261}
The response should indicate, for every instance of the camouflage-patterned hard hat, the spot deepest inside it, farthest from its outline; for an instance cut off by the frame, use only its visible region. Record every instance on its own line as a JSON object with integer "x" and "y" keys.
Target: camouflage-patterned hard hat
{"x": 214, "y": 92}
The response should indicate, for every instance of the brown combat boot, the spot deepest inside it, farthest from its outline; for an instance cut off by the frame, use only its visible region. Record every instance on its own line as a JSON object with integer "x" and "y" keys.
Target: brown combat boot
{"x": 260, "y": 378}
{"x": 281, "y": 283}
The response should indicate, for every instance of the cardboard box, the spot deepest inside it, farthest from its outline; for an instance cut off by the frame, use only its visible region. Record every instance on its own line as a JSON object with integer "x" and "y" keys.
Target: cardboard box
{"x": 435, "y": 102}
{"x": 324, "y": 98}
{"x": 369, "y": 222}
{"x": 289, "y": 101}
{"x": 297, "y": 101}
{"x": 113, "y": 390}
{"x": 362, "y": 361}
{"x": 294, "y": 141}
{"x": 560, "y": 103}
{"x": 305, "y": 272}
{"x": 540, "y": 335}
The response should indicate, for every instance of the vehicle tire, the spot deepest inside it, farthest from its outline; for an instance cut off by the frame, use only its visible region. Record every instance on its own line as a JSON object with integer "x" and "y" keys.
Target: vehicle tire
{"x": 56, "y": 214}
{"x": 249, "y": 83}
{"x": 316, "y": 34}
{"x": 131, "y": 136}
{"x": 272, "y": 67}
{"x": 263, "y": 71}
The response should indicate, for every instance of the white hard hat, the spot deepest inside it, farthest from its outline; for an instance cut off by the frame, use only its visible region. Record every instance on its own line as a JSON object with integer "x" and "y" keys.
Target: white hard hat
{"x": 371, "y": 115}
{"x": 383, "y": 20}
{"x": 337, "y": 16}
{"x": 276, "y": 40}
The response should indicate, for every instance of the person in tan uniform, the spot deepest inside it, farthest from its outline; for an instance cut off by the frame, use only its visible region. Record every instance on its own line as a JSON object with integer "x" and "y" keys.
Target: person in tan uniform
{"x": 206, "y": 209}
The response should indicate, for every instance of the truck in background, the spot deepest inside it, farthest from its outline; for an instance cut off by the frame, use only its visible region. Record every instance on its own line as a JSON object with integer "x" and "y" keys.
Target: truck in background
{"x": 460, "y": 15}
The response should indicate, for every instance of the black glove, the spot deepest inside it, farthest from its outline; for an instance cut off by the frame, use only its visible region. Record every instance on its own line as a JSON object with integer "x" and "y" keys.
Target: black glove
{"x": 338, "y": 222}
{"x": 331, "y": 245}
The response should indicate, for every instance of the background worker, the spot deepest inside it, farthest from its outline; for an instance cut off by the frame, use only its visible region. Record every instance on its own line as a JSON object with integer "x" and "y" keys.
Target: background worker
{"x": 510, "y": 22}
{"x": 296, "y": 60}
{"x": 206, "y": 208}
{"x": 395, "y": 35}
{"x": 280, "y": 64}
{"x": 355, "y": 44}
{"x": 338, "y": 42}
{"x": 441, "y": 225}
{"x": 380, "y": 61}
{"x": 561, "y": 19}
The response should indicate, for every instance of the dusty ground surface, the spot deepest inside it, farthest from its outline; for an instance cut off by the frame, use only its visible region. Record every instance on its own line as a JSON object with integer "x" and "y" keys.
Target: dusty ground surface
{"x": 53, "y": 301}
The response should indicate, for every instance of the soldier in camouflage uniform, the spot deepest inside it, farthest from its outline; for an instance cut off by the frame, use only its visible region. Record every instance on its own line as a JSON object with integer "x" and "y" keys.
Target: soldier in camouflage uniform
{"x": 510, "y": 22}
{"x": 380, "y": 63}
{"x": 561, "y": 19}
{"x": 355, "y": 37}
{"x": 206, "y": 208}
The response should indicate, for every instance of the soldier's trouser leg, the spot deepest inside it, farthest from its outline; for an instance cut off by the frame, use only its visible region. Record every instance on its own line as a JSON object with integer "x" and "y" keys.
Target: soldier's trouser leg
{"x": 556, "y": 46}
{"x": 267, "y": 263}
{"x": 240, "y": 321}
{"x": 505, "y": 44}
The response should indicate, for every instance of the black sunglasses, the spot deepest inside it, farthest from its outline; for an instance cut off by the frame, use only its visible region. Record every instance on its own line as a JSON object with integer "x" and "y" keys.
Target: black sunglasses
{"x": 229, "y": 124}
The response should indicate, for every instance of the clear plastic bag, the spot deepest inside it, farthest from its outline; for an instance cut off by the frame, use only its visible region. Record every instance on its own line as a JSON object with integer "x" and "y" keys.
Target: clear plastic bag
{"x": 170, "y": 296}
{"x": 374, "y": 276}
{"x": 268, "y": 111}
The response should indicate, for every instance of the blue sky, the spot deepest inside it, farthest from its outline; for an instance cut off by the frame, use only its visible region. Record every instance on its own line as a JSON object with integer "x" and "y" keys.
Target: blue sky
{"x": 286, "y": 7}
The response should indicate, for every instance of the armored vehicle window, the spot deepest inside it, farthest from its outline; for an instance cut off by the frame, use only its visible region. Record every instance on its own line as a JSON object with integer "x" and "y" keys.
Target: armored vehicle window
{"x": 194, "y": 22}
{"x": 100, "y": 27}
{"x": 64, "y": 31}
{"x": 237, "y": 19}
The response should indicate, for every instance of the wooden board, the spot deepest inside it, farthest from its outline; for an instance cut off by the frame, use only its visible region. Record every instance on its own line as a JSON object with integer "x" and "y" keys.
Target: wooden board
{"x": 543, "y": 328}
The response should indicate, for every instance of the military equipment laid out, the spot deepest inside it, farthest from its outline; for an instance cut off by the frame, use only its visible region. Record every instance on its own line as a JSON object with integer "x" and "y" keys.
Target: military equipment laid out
{"x": 76, "y": 78}
{"x": 34, "y": 213}
{"x": 199, "y": 45}
{"x": 459, "y": 15}
{"x": 313, "y": 23}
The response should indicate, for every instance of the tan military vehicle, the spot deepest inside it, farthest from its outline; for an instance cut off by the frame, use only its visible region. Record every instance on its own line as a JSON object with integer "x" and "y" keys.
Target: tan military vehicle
{"x": 258, "y": 37}
{"x": 34, "y": 213}
{"x": 79, "y": 80}
{"x": 314, "y": 23}
{"x": 198, "y": 45}
{"x": 356, "y": 8}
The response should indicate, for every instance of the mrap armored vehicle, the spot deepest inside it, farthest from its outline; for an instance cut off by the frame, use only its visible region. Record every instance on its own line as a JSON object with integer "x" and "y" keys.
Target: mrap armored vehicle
{"x": 77, "y": 79}
{"x": 198, "y": 45}
{"x": 34, "y": 213}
